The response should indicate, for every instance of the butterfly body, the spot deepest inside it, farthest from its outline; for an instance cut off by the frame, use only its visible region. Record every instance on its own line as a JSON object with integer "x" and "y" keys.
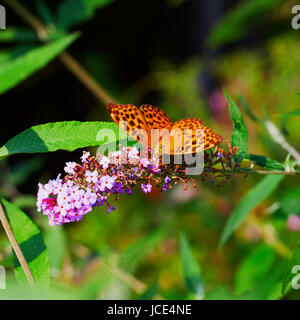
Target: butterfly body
{"x": 151, "y": 127}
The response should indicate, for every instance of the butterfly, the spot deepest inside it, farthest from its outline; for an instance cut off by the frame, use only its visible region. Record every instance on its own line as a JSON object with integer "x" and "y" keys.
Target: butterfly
{"x": 186, "y": 136}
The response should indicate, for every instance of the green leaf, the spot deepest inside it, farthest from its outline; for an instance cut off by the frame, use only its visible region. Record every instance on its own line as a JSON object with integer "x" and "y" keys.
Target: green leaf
{"x": 253, "y": 198}
{"x": 254, "y": 268}
{"x": 239, "y": 136}
{"x": 25, "y": 201}
{"x": 98, "y": 282}
{"x": 45, "y": 13}
{"x": 15, "y": 71}
{"x": 247, "y": 109}
{"x": 31, "y": 243}
{"x": 265, "y": 162}
{"x": 18, "y": 51}
{"x": 219, "y": 293}
{"x": 68, "y": 135}
{"x": 289, "y": 201}
{"x": 18, "y": 35}
{"x": 285, "y": 118}
{"x": 150, "y": 292}
{"x": 74, "y": 12}
{"x": 292, "y": 271}
{"x": 16, "y": 291}
{"x": 238, "y": 21}
{"x": 190, "y": 269}
{"x": 57, "y": 247}
{"x": 267, "y": 287}
{"x": 130, "y": 258}
{"x": 5, "y": 56}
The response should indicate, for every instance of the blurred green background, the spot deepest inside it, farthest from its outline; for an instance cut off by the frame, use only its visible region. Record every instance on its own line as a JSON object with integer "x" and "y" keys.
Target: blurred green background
{"x": 178, "y": 55}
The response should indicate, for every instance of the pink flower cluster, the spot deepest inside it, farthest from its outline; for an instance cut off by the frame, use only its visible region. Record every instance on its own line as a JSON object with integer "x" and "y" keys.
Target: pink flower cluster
{"x": 64, "y": 202}
{"x": 90, "y": 183}
{"x": 98, "y": 179}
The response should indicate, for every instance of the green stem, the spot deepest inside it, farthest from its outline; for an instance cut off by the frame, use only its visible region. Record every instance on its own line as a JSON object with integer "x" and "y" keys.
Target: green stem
{"x": 241, "y": 170}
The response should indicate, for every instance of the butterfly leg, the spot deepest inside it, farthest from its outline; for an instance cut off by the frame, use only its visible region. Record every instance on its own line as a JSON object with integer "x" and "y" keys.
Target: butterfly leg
{"x": 216, "y": 150}
{"x": 176, "y": 168}
{"x": 183, "y": 180}
{"x": 194, "y": 183}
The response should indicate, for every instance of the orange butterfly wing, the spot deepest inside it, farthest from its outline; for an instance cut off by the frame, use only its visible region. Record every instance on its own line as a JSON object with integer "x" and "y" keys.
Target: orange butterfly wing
{"x": 190, "y": 136}
{"x": 130, "y": 119}
{"x": 211, "y": 139}
{"x": 159, "y": 121}
{"x": 197, "y": 139}
{"x": 156, "y": 118}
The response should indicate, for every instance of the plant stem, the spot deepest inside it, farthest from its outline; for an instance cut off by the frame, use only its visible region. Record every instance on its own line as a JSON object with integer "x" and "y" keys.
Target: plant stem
{"x": 278, "y": 137}
{"x": 270, "y": 237}
{"x": 240, "y": 170}
{"x": 85, "y": 78}
{"x": 28, "y": 17}
{"x": 15, "y": 246}
{"x": 138, "y": 286}
{"x": 70, "y": 62}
